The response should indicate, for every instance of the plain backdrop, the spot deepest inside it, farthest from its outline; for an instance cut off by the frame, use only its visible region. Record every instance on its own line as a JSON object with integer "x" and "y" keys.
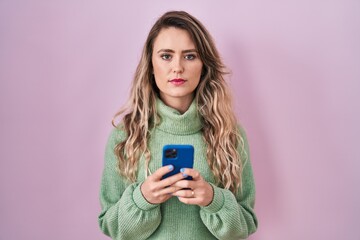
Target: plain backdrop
{"x": 66, "y": 68}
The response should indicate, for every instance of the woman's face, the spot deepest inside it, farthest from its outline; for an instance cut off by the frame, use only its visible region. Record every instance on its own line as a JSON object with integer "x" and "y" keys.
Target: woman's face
{"x": 177, "y": 66}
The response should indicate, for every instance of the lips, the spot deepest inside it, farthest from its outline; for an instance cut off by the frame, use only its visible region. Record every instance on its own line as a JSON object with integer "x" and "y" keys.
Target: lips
{"x": 177, "y": 81}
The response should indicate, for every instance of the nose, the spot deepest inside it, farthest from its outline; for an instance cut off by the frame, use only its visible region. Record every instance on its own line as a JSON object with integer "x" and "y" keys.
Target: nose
{"x": 177, "y": 66}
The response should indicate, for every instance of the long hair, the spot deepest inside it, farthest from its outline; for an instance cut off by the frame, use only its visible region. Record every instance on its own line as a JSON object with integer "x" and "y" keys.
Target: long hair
{"x": 220, "y": 131}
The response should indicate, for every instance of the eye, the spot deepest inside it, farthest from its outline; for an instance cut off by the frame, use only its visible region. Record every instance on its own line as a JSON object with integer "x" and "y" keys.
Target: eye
{"x": 166, "y": 56}
{"x": 190, "y": 56}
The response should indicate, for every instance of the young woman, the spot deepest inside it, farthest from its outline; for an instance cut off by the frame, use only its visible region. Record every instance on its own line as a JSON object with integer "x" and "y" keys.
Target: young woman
{"x": 178, "y": 96}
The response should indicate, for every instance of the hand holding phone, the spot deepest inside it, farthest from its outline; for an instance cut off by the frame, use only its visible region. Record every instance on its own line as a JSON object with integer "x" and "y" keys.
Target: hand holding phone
{"x": 156, "y": 191}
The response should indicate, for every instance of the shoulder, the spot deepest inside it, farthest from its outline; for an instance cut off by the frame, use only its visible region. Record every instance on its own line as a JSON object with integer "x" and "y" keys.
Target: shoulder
{"x": 117, "y": 134}
{"x": 243, "y": 146}
{"x": 241, "y": 131}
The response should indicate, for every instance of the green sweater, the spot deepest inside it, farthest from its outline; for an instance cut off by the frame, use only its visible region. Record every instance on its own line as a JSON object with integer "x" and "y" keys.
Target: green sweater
{"x": 127, "y": 215}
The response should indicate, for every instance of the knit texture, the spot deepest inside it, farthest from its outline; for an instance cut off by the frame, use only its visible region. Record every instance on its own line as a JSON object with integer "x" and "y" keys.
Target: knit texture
{"x": 127, "y": 215}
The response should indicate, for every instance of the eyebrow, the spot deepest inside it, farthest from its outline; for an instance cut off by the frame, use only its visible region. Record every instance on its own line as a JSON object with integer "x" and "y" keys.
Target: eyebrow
{"x": 172, "y": 51}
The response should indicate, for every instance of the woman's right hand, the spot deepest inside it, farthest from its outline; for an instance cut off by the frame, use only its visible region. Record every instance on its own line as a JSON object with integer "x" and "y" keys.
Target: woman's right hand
{"x": 156, "y": 190}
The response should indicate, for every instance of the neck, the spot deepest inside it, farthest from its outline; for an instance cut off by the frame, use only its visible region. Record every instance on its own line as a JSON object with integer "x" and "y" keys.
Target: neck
{"x": 180, "y": 104}
{"x": 175, "y": 122}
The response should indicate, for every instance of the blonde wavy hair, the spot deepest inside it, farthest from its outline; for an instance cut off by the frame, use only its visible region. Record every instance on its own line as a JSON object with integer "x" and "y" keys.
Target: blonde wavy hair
{"x": 220, "y": 130}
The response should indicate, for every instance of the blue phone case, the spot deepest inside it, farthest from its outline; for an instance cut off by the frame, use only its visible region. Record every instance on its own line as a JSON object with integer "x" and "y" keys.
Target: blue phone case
{"x": 180, "y": 156}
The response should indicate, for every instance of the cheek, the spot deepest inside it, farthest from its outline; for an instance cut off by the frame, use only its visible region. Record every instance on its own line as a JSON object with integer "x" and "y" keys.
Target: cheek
{"x": 159, "y": 69}
{"x": 199, "y": 69}
{"x": 154, "y": 65}
{"x": 158, "y": 73}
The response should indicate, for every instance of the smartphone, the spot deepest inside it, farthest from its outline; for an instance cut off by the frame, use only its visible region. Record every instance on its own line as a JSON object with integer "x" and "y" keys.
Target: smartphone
{"x": 180, "y": 156}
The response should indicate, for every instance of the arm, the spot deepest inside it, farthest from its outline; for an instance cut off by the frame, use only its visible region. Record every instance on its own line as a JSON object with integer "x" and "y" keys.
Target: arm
{"x": 229, "y": 216}
{"x": 125, "y": 213}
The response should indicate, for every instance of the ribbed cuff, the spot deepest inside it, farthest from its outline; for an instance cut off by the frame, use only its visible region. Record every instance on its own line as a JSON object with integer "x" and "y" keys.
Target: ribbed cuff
{"x": 140, "y": 200}
{"x": 217, "y": 202}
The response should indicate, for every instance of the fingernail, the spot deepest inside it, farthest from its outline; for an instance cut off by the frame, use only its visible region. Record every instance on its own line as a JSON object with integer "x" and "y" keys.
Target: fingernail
{"x": 183, "y": 170}
{"x": 171, "y": 167}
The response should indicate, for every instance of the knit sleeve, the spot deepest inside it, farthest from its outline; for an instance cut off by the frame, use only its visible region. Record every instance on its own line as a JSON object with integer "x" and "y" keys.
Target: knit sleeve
{"x": 125, "y": 212}
{"x": 229, "y": 216}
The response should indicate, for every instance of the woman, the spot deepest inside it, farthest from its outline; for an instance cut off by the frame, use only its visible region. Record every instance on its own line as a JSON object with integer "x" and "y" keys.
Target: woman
{"x": 178, "y": 96}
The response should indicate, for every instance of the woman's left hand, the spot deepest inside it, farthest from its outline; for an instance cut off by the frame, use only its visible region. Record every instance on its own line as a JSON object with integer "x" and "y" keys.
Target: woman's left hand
{"x": 196, "y": 191}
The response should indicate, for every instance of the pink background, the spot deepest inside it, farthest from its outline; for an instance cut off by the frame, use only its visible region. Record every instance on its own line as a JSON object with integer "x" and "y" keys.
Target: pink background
{"x": 66, "y": 67}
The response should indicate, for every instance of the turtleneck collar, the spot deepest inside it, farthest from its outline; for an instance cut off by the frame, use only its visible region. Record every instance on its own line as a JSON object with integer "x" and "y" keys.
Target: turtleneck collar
{"x": 172, "y": 121}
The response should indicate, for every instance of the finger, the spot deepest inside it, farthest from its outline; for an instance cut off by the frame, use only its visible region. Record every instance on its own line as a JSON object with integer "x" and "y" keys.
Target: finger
{"x": 184, "y": 184}
{"x": 168, "y": 191}
{"x": 157, "y": 175}
{"x": 191, "y": 172}
{"x": 190, "y": 201}
{"x": 171, "y": 180}
{"x": 185, "y": 193}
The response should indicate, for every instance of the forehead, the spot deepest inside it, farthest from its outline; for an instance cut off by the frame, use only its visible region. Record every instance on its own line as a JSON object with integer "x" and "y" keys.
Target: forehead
{"x": 173, "y": 38}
